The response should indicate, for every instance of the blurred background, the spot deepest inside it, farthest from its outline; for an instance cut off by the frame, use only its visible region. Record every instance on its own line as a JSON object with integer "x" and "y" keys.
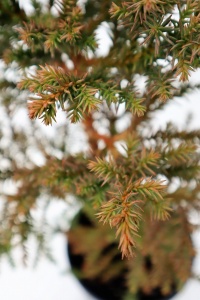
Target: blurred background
{"x": 52, "y": 280}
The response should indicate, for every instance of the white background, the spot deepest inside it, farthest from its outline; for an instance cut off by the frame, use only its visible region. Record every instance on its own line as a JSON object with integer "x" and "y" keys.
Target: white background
{"x": 54, "y": 281}
{"x": 50, "y": 281}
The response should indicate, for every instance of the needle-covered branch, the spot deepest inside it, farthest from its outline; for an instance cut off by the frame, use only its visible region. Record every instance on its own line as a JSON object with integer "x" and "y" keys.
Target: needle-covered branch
{"x": 53, "y": 87}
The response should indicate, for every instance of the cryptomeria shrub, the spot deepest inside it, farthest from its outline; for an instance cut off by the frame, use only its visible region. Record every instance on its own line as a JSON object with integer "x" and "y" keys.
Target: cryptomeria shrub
{"x": 127, "y": 184}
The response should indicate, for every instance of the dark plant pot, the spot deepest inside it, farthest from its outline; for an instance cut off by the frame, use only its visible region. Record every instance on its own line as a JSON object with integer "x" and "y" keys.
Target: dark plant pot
{"x": 114, "y": 289}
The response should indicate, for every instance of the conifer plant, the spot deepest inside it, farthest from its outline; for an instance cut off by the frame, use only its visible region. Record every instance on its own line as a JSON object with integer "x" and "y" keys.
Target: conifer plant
{"x": 136, "y": 186}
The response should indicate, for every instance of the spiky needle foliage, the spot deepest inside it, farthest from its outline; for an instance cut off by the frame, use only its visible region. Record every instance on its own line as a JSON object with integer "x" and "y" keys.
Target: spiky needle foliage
{"x": 129, "y": 185}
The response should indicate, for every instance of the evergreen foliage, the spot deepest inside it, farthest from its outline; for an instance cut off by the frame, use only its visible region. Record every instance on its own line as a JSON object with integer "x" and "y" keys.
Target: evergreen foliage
{"x": 129, "y": 186}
